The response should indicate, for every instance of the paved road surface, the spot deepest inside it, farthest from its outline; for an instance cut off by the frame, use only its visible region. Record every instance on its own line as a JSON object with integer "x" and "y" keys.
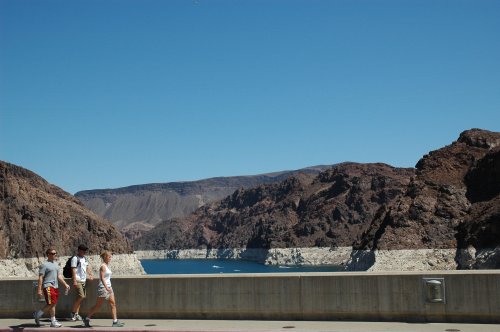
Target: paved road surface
{"x": 27, "y": 325}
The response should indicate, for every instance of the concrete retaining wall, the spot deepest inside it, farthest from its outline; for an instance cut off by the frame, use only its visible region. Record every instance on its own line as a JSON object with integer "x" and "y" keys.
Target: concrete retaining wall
{"x": 469, "y": 296}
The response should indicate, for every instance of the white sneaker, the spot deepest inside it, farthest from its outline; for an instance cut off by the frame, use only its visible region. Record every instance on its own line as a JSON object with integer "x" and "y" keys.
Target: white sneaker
{"x": 75, "y": 317}
{"x": 55, "y": 324}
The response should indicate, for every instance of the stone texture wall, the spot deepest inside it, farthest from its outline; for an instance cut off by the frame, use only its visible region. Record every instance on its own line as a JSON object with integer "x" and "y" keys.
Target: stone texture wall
{"x": 121, "y": 265}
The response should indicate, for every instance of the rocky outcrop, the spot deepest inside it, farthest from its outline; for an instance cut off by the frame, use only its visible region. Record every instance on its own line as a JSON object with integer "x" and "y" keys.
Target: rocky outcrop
{"x": 137, "y": 209}
{"x": 479, "y": 235}
{"x": 451, "y": 203}
{"x": 35, "y": 215}
{"x": 327, "y": 210}
{"x": 402, "y": 260}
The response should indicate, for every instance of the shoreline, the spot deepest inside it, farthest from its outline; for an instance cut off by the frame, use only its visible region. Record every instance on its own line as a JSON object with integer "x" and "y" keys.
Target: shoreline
{"x": 278, "y": 256}
{"x": 346, "y": 257}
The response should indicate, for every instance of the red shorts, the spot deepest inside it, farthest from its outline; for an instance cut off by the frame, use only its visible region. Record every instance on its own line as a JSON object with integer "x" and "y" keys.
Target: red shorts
{"x": 51, "y": 295}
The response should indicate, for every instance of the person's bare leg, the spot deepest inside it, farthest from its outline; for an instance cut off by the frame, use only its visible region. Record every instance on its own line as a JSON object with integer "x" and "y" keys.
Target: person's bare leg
{"x": 49, "y": 309}
{"x": 96, "y": 307}
{"x": 112, "y": 304}
{"x": 76, "y": 306}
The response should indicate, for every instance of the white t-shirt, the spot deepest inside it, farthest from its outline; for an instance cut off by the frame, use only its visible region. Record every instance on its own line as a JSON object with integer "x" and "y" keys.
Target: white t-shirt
{"x": 107, "y": 277}
{"x": 81, "y": 269}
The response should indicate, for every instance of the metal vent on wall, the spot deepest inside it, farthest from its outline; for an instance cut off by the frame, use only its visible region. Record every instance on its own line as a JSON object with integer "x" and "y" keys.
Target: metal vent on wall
{"x": 434, "y": 290}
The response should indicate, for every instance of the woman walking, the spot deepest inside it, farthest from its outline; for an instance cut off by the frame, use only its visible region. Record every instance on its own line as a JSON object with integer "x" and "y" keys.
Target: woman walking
{"x": 104, "y": 292}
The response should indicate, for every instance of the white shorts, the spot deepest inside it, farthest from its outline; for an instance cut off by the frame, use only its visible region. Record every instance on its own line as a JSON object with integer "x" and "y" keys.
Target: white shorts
{"x": 102, "y": 292}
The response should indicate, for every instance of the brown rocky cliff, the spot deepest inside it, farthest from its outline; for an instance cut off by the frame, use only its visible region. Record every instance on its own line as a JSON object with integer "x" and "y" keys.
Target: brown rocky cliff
{"x": 442, "y": 201}
{"x": 480, "y": 233}
{"x": 330, "y": 209}
{"x": 35, "y": 215}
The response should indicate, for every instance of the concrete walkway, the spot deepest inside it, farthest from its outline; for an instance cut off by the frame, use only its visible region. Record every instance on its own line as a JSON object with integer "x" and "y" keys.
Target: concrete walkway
{"x": 27, "y": 325}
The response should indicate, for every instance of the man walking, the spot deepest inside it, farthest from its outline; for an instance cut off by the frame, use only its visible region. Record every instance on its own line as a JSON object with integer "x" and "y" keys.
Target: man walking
{"x": 79, "y": 270}
{"x": 48, "y": 277}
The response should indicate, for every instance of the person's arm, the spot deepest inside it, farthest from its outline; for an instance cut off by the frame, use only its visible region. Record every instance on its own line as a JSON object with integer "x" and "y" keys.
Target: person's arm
{"x": 39, "y": 289}
{"x": 102, "y": 271}
{"x": 73, "y": 271}
{"x": 73, "y": 276}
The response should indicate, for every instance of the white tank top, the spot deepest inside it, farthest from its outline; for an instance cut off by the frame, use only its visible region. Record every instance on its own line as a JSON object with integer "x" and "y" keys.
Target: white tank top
{"x": 107, "y": 276}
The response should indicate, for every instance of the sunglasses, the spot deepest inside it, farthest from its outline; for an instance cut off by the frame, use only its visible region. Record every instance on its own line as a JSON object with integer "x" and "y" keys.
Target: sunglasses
{"x": 52, "y": 253}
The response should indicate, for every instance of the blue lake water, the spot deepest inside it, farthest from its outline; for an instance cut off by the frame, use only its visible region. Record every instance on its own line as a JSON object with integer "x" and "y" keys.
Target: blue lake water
{"x": 212, "y": 266}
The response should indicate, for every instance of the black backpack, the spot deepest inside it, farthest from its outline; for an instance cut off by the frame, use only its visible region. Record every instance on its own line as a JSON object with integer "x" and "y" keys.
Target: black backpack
{"x": 67, "y": 273}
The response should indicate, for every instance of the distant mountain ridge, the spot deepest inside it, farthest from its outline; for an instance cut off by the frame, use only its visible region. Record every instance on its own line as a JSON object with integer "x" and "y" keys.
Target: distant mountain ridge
{"x": 138, "y": 208}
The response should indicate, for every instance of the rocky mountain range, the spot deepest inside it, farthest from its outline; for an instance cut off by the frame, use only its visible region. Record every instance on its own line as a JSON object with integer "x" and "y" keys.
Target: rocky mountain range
{"x": 137, "y": 209}
{"x": 35, "y": 214}
{"x": 450, "y": 200}
{"x": 329, "y": 209}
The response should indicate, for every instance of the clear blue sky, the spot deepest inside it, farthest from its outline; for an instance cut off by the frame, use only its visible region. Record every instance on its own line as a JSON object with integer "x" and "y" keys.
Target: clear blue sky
{"x": 111, "y": 93}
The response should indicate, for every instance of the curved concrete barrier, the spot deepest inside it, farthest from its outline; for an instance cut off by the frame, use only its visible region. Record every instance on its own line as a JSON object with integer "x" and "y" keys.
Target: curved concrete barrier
{"x": 448, "y": 296}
